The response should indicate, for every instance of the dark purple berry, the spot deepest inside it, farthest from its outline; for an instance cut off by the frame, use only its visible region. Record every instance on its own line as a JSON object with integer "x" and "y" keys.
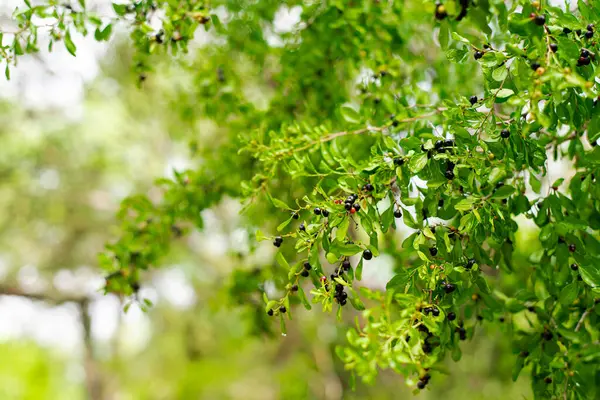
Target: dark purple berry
{"x": 367, "y": 255}
{"x": 473, "y": 100}
{"x": 433, "y": 251}
{"x": 270, "y": 313}
{"x": 325, "y": 213}
{"x": 295, "y": 216}
{"x": 397, "y": 213}
{"x": 572, "y": 248}
{"x": 554, "y": 47}
{"x": 478, "y": 55}
{"x": 589, "y": 34}
{"x": 449, "y": 288}
{"x": 540, "y": 19}
{"x": 346, "y": 265}
{"x": 435, "y": 312}
{"x": 535, "y": 65}
{"x": 304, "y": 273}
{"x": 574, "y": 267}
{"x": 398, "y": 161}
{"x": 317, "y": 211}
{"x": 505, "y": 133}
{"x": 421, "y": 384}
{"x": 451, "y": 316}
{"x": 449, "y": 174}
{"x": 302, "y": 227}
{"x": 282, "y": 309}
{"x": 307, "y": 266}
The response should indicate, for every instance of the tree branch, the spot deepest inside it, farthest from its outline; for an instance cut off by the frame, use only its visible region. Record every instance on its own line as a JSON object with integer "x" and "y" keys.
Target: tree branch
{"x": 52, "y": 298}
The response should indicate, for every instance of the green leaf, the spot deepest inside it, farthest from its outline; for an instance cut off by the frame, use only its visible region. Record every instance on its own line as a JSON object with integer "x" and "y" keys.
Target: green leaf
{"x": 590, "y": 274}
{"x": 303, "y": 298}
{"x": 502, "y": 93}
{"x": 282, "y": 261}
{"x": 284, "y": 224}
{"x": 568, "y": 294}
{"x": 500, "y": 73}
{"x": 342, "y": 229}
{"x": 120, "y": 9}
{"x": 350, "y": 114}
{"x": 503, "y": 192}
{"x": 358, "y": 271}
{"x": 465, "y": 204}
{"x": 69, "y": 44}
{"x": 417, "y": 162}
{"x": 519, "y": 364}
{"x": 332, "y": 258}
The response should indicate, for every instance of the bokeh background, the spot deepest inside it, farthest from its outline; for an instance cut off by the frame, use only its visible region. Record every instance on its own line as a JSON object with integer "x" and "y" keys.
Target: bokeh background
{"x": 77, "y": 135}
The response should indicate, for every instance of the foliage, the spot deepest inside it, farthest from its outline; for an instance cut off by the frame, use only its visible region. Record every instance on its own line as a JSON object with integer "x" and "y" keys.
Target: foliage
{"x": 444, "y": 119}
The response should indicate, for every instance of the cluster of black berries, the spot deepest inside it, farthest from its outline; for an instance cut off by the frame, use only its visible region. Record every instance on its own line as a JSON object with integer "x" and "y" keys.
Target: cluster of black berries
{"x": 340, "y": 295}
{"x": 431, "y": 310}
{"x": 282, "y": 310}
{"x": 462, "y": 332}
{"x": 423, "y": 381}
{"x": 278, "y": 241}
{"x": 449, "y": 174}
{"x": 584, "y": 58}
{"x": 318, "y": 211}
{"x": 307, "y": 267}
{"x": 441, "y": 146}
{"x": 350, "y": 202}
{"x": 589, "y": 33}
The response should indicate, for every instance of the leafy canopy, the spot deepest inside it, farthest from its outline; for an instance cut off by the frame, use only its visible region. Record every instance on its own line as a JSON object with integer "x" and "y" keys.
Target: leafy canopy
{"x": 369, "y": 116}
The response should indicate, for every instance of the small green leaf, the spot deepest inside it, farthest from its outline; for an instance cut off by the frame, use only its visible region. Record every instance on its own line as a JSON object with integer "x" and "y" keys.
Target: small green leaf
{"x": 69, "y": 44}
{"x": 359, "y": 268}
{"x": 417, "y": 162}
{"x": 500, "y": 73}
{"x": 282, "y": 261}
{"x": 568, "y": 294}
{"x": 342, "y": 229}
{"x": 350, "y": 114}
{"x": 303, "y": 298}
{"x": 284, "y": 224}
{"x": 503, "y": 192}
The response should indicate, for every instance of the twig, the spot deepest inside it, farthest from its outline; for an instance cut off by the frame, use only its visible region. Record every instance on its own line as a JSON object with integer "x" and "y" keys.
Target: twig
{"x": 51, "y": 298}
{"x": 331, "y": 136}
{"x": 583, "y": 316}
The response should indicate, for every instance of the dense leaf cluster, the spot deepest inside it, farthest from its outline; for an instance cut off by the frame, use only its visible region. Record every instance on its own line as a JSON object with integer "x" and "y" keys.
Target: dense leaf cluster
{"x": 444, "y": 118}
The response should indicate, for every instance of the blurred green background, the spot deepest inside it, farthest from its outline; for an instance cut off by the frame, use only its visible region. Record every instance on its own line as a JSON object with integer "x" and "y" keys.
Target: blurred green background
{"x": 73, "y": 144}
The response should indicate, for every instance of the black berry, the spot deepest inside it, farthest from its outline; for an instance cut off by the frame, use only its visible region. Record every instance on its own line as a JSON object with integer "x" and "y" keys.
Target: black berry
{"x": 478, "y": 55}
{"x": 572, "y": 248}
{"x": 473, "y": 99}
{"x": 590, "y": 27}
{"x": 369, "y": 187}
{"x": 449, "y": 174}
{"x": 278, "y": 241}
{"x": 451, "y": 316}
{"x": 304, "y": 273}
{"x": 294, "y": 288}
{"x": 433, "y": 251}
{"x": 505, "y": 133}
{"x": 540, "y": 20}
{"x": 342, "y": 302}
{"x": 356, "y": 206}
{"x": 302, "y": 227}
{"x": 449, "y": 288}
{"x": 535, "y": 65}
{"x": 348, "y": 206}
{"x": 435, "y": 312}
{"x": 398, "y": 161}
{"x": 441, "y": 203}
{"x": 524, "y": 353}
{"x": 584, "y": 53}
{"x": 554, "y": 47}
{"x": 589, "y": 34}
{"x": 282, "y": 309}
{"x": 295, "y": 216}
{"x": 462, "y": 333}
{"x": 574, "y": 267}
{"x": 548, "y": 380}
{"x": 325, "y": 213}
{"x": 270, "y": 313}
{"x": 367, "y": 255}
{"x": 566, "y": 31}
{"x": 470, "y": 263}
{"x": 339, "y": 288}
{"x": 307, "y": 266}
{"x": 421, "y": 384}
{"x": 397, "y": 213}
{"x": 346, "y": 265}
{"x": 583, "y": 61}
{"x": 547, "y": 335}
{"x": 531, "y": 309}
{"x": 317, "y": 211}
